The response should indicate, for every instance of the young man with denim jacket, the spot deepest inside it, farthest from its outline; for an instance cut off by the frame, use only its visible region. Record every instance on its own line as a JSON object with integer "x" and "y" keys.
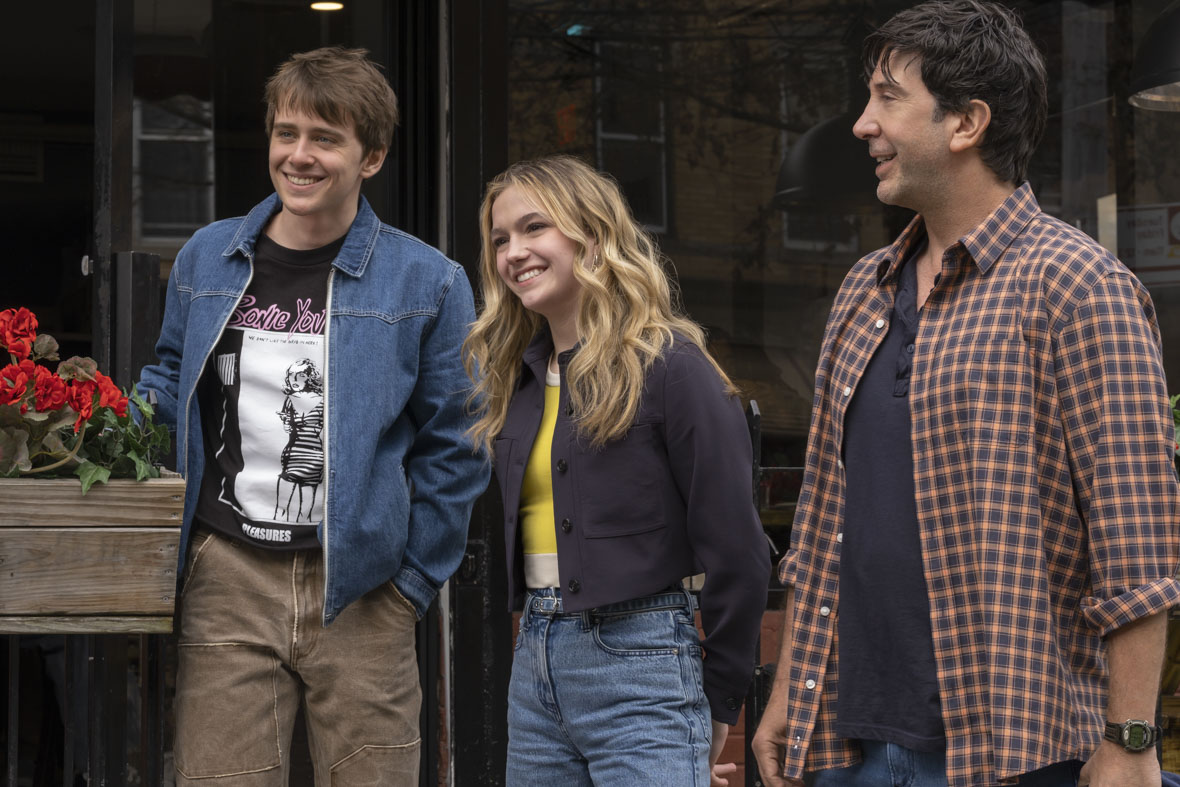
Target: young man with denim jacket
{"x": 309, "y": 363}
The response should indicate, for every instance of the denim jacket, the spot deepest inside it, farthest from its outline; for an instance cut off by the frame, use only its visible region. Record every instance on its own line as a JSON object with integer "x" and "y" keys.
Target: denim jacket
{"x": 671, "y": 498}
{"x": 400, "y": 475}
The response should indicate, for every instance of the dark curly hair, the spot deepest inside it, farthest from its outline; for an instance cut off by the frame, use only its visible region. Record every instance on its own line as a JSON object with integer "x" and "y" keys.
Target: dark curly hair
{"x": 970, "y": 49}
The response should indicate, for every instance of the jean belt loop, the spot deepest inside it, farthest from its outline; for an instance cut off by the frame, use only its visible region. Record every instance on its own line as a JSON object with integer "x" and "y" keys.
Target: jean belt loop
{"x": 690, "y": 599}
{"x": 587, "y": 619}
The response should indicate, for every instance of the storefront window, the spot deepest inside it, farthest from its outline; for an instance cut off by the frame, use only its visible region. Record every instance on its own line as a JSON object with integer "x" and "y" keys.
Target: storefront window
{"x": 730, "y": 130}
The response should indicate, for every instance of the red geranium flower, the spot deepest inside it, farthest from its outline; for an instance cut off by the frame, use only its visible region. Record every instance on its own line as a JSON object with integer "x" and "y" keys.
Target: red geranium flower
{"x": 50, "y": 390}
{"x": 110, "y": 396}
{"x": 80, "y": 396}
{"x": 14, "y": 383}
{"x": 18, "y": 331}
{"x": 20, "y": 348}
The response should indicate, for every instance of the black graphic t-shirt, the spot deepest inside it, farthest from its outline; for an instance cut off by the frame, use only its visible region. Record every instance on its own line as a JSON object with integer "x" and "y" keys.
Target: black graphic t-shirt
{"x": 262, "y": 404}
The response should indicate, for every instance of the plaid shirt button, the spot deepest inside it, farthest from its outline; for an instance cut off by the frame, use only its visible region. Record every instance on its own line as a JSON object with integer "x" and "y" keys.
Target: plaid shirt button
{"x": 810, "y": 684}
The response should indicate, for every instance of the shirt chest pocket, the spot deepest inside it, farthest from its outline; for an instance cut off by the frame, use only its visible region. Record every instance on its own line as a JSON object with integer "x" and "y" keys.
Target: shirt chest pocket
{"x": 983, "y": 392}
{"x": 620, "y": 487}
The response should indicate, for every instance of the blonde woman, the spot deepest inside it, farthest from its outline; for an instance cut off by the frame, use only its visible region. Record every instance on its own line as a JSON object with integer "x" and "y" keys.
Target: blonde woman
{"x": 625, "y": 464}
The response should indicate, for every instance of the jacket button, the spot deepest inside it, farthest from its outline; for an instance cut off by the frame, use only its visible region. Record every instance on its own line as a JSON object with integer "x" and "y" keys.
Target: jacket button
{"x": 566, "y": 525}
{"x": 561, "y": 466}
{"x": 731, "y": 703}
{"x": 574, "y": 586}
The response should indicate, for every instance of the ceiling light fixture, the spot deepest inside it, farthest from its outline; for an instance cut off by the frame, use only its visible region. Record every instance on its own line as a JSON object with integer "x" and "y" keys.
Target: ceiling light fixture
{"x": 320, "y": 6}
{"x": 1155, "y": 76}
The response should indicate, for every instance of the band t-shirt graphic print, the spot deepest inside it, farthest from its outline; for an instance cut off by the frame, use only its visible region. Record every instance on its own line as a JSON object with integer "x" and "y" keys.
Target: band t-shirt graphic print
{"x": 261, "y": 397}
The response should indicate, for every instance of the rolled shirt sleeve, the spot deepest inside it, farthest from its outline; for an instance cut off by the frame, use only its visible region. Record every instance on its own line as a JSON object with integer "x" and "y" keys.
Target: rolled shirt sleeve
{"x": 1120, "y": 437}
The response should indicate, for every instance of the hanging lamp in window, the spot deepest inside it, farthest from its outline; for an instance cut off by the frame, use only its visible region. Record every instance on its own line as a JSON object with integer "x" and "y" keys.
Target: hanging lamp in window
{"x": 1155, "y": 76}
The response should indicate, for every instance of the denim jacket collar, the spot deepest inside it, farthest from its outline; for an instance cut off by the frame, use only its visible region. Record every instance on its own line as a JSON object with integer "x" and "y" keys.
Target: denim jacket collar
{"x": 354, "y": 255}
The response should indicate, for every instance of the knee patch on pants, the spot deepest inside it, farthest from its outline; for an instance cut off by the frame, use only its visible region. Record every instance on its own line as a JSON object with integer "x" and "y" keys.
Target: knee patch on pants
{"x": 375, "y": 766}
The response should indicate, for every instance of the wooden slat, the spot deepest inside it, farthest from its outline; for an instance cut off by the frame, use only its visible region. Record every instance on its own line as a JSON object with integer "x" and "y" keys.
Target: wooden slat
{"x": 112, "y": 571}
{"x": 29, "y": 624}
{"x": 58, "y": 502}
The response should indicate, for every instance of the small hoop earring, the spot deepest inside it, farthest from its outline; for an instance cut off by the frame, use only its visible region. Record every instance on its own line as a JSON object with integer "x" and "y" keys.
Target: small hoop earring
{"x": 594, "y": 267}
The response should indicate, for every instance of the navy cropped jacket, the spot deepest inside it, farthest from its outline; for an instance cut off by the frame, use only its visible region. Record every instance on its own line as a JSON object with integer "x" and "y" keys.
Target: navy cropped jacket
{"x": 671, "y": 499}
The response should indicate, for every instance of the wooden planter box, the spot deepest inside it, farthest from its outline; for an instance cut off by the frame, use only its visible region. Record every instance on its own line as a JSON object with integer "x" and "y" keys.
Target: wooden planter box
{"x": 105, "y": 562}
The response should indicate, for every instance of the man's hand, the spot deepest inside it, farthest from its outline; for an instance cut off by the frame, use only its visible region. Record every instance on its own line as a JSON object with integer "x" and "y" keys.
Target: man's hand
{"x": 769, "y": 746}
{"x": 770, "y": 741}
{"x": 1134, "y": 657}
{"x": 1112, "y": 766}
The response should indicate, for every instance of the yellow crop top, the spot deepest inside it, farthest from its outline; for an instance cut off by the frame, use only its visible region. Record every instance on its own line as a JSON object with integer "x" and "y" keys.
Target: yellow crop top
{"x": 538, "y": 530}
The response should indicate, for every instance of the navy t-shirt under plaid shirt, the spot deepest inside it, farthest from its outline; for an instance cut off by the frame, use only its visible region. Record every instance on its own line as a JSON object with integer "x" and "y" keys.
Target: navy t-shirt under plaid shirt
{"x": 1046, "y": 497}
{"x": 889, "y": 684}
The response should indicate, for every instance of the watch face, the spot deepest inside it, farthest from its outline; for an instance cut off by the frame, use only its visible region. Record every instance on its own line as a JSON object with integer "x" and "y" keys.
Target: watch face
{"x": 1136, "y": 735}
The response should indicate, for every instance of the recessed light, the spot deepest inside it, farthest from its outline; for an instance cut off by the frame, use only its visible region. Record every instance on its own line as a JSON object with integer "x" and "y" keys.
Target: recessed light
{"x": 327, "y": 6}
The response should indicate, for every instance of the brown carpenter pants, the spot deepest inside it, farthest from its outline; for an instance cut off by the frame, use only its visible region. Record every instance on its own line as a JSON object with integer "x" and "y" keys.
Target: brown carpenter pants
{"x": 253, "y": 647}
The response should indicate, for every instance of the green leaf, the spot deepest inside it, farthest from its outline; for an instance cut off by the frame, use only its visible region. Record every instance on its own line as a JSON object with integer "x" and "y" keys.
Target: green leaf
{"x": 10, "y": 416}
{"x": 90, "y": 473}
{"x": 77, "y": 368}
{"x": 108, "y": 418}
{"x": 145, "y": 469}
{"x": 63, "y": 417}
{"x": 141, "y": 404}
{"x": 45, "y": 347}
{"x": 54, "y": 444}
{"x": 14, "y": 451}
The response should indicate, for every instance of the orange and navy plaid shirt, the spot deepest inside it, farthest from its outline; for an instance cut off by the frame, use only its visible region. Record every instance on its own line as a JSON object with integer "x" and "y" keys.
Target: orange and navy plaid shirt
{"x": 1047, "y": 501}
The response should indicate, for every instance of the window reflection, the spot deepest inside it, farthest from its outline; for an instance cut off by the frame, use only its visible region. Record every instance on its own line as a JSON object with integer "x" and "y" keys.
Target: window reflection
{"x": 700, "y": 110}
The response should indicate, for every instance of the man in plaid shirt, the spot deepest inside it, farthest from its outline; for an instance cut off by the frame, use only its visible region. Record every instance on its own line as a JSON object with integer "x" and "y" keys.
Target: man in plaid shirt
{"x": 988, "y": 532}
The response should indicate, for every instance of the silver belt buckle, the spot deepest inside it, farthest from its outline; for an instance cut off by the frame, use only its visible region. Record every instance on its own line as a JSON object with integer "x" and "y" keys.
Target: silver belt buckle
{"x": 548, "y": 604}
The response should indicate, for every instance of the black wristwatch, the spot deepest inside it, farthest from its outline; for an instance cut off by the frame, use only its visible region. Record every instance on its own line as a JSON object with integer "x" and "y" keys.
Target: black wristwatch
{"x": 1134, "y": 735}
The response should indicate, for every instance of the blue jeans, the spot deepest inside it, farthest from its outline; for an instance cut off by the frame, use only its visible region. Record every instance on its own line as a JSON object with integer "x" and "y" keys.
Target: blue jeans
{"x": 890, "y": 765}
{"x": 611, "y": 696}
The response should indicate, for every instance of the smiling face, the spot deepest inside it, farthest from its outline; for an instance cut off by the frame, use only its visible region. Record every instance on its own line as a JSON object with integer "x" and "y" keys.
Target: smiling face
{"x": 317, "y": 168}
{"x": 906, "y": 136}
{"x": 536, "y": 261}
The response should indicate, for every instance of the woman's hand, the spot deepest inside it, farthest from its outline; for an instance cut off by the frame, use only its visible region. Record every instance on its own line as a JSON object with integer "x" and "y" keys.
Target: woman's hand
{"x": 718, "y": 772}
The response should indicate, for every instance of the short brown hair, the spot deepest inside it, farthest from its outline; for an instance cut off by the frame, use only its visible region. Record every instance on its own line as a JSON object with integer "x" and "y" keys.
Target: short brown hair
{"x": 341, "y": 86}
{"x": 974, "y": 49}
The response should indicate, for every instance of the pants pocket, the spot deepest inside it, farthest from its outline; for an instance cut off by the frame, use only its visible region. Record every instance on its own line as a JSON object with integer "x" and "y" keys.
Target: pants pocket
{"x": 637, "y": 634}
{"x": 226, "y": 705}
{"x": 405, "y": 602}
{"x": 379, "y": 766}
{"x": 197, "y": 546}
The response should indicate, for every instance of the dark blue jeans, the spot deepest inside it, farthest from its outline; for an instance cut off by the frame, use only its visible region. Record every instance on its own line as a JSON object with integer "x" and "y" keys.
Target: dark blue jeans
{"x": 890, "y": 765}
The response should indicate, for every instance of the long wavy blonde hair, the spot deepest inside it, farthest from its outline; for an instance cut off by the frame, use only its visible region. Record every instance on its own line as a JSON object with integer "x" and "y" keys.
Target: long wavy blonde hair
{"x": 627, "y": 312}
